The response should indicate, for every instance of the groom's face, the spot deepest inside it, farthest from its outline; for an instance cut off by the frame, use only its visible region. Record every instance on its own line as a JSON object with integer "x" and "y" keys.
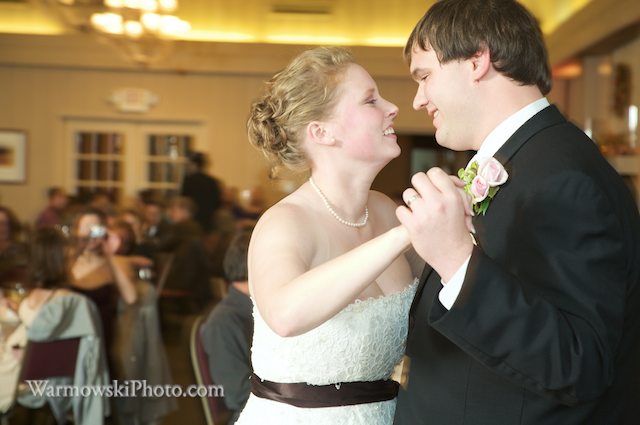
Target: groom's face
{"x": 444, "y": 91}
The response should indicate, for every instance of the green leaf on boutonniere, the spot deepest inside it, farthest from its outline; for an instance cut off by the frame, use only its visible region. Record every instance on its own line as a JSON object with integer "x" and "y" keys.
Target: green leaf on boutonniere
{"x": 481, "y": 207}
{"x": 493, "y": 171}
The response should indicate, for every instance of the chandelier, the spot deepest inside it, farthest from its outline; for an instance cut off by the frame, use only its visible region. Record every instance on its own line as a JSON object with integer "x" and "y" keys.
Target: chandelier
{"x": 138, "y": 18}
{"x": 141, "y": 29}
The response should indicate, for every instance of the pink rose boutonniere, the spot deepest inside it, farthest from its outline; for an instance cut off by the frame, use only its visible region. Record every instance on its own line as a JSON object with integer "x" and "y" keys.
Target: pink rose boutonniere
{"x": 482, "y": 180}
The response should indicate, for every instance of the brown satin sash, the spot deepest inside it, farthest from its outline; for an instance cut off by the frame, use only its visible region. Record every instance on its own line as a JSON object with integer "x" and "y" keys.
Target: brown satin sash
{"x": 300, "y": 394}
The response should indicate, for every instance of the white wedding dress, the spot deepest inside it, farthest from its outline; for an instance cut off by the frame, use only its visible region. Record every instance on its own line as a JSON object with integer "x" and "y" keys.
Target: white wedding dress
{"x": 363, "y": 342}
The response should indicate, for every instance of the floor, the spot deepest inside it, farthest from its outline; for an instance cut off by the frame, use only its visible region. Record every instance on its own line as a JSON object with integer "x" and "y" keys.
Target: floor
{"x": 177, "y": 348}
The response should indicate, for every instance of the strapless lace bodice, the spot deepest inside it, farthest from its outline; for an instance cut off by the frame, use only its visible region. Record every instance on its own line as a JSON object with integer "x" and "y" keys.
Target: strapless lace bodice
{"x": 363, "y": 342}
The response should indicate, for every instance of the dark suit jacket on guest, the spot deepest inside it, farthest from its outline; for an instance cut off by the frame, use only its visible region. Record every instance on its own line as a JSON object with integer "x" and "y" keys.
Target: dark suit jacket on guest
{"x": 546, "y": 329}
{"x": 191, "y": 267}
{"x": 205, "y": 192}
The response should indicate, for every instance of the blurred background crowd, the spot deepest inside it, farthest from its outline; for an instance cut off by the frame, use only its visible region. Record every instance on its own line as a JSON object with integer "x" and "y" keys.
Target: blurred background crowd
{"x": 146, "y": 273}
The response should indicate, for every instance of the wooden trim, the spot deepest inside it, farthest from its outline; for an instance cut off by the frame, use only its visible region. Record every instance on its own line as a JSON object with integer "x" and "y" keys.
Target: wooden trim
{"x": 596, "y": 21}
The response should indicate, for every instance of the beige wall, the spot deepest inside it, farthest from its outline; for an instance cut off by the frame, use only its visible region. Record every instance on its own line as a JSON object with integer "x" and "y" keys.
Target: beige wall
{"x": 589, "y": 98}
{"x": 45, "y": 80}
{"x": 38, "y": 98}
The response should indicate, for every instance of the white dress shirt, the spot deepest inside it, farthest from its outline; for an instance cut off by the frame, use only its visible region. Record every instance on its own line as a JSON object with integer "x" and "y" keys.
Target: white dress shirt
{"x": 491, "y": 144}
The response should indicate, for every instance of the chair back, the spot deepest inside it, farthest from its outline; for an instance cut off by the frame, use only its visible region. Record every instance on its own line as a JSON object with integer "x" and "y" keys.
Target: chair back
{"x": 64, "y": 335}
{"x": 163, "y": 265}
{"x": 49, "y": 359}
{"x": 215, "y": 411}
{"x": 43, "y": 360}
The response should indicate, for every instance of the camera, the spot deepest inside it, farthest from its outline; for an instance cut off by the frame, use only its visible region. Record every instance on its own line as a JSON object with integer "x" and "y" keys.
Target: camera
{"x": 146, "y": 273}
{"x": 97, "y": 231}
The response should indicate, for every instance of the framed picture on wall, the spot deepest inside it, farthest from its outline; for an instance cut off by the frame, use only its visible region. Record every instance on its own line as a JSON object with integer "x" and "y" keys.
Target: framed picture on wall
{"x": 13, "y": 156}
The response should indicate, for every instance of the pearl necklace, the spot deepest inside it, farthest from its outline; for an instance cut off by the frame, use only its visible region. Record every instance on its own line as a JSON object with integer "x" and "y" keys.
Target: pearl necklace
{"x": 334, "y": 213}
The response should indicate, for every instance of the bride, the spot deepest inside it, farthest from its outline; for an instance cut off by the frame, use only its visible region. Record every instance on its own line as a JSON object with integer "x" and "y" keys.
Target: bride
{"x": 329, "y": 281}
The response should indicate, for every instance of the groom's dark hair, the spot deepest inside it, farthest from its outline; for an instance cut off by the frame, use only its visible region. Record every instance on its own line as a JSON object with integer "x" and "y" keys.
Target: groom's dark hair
{"x": 458, "y": 29}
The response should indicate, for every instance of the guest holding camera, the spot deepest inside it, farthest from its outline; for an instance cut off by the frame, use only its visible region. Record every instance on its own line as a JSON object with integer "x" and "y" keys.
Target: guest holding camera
{"x": 97, "y": 272}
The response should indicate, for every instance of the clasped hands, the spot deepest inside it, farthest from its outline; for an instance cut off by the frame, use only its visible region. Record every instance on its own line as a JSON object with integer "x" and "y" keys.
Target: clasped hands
{"x": 437, "y": 217}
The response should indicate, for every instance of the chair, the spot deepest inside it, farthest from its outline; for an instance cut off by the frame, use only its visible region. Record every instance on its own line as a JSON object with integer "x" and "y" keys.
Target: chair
{"x": 215, "y": 411}
{"x": 163, "y": 265}
{"x": 43, "y": 360}
{"x": 165, "y": 268}
{"x": 49, "y": 359}
{"x": 65, "y": 347}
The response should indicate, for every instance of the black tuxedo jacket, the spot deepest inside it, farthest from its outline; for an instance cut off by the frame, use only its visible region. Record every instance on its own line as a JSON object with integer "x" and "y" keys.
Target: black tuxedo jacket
{"x": 546, "y": 329}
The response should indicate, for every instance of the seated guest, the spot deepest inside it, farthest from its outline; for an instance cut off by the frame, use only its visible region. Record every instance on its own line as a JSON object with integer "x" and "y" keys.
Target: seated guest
{"x": 134, "y": 219}
{"x": 190, "y": 270}
{"x": 99, "y": 274}
{"x": 63, "y": 318}
{"x": 101, "y": 200}
{"x": 125, "y": 238}
{"x": 48, "y": 270}
{"x": 217, "y": 242}
{"x": 14, "y": 255}
{"x": 248, "y": 209}
{"x": 155, "y": 227}
{"x": 127, "y": 243}
{"x": 181, "y": 212}
{"x": 227, "y": 332}
{"x": 122, "y": 241}
{"x": 53, "y": 214}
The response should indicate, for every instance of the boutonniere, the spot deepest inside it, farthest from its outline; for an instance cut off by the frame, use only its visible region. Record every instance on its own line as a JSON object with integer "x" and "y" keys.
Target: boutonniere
{"x": 482, "y": 180}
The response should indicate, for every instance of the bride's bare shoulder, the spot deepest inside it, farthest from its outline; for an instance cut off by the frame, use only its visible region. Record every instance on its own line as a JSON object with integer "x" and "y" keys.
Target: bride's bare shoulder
{"x": 287, "y": 217}
{"x": 284, "y": 232}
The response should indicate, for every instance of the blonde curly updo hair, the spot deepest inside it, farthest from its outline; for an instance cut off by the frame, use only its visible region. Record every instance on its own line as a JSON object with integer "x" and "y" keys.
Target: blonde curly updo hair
{"x": 306, "y": 90}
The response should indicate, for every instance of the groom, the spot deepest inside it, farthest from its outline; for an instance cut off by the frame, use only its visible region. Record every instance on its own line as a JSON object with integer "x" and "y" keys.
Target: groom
{"x": 539, "y": 323}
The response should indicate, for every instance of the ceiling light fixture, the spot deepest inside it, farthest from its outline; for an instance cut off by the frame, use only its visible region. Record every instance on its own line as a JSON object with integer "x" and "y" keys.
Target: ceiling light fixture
{"x": 142, "y": 29}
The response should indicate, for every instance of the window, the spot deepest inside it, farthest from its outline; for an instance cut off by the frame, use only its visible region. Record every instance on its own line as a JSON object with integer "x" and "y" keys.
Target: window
{"x": 123, "y": 158}
{"x": 166, "y": 158}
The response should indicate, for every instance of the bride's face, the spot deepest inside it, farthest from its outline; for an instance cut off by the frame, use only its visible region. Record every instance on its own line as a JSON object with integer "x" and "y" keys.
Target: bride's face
{"x": 363, "y": 120}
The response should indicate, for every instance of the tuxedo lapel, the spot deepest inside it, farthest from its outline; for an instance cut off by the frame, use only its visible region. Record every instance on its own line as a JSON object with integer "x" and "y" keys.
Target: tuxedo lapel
{"x": 548, "y": 117}
{"x": 426, "y": 273}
